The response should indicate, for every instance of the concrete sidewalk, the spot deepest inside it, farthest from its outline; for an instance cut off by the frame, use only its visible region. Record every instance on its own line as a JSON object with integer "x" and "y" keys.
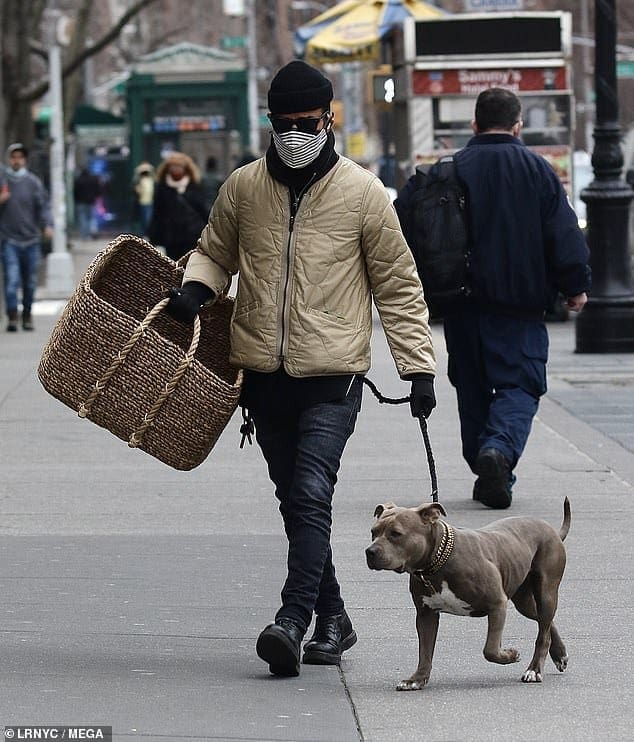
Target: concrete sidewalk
{"x": 133, "y": 593}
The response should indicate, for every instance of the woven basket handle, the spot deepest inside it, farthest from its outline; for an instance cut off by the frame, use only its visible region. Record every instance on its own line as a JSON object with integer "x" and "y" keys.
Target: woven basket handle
{"x": 119, "y": 359}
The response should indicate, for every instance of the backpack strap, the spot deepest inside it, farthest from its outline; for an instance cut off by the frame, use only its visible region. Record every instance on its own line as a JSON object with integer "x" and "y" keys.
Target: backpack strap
{"x": 448, "y": 173}
{"x": 447, "y": 168}
{"x": 422, "y": 175}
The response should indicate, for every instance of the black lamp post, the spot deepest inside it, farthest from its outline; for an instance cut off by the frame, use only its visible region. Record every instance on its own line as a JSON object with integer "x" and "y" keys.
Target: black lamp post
{"x": 606, "y": 325}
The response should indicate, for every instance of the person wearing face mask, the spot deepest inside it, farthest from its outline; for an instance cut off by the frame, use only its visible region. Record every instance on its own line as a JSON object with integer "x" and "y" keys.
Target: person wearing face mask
{"x": 25, "y": 218}
{"x": 314, "y": 238}
{"x": 179, "y": 210}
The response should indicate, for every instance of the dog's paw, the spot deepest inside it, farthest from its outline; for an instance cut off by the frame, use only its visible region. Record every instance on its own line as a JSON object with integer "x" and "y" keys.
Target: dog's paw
{"x": 562, "y": 663}
{"x": 412, "y": 684}
{"x": 511, "y": 655}
{"x": 532, "y": 676}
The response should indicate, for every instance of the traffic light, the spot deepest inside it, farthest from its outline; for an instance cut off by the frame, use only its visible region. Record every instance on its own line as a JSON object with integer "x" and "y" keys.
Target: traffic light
{"x": 381, "y": 85}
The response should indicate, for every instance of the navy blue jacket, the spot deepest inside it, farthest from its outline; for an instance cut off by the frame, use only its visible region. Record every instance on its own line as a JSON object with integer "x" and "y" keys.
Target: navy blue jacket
{"x": 526, "y": 243}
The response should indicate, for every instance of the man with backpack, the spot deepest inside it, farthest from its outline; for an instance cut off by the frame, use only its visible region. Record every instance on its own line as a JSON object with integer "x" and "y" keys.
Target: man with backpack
{"x": 523, "y": 245}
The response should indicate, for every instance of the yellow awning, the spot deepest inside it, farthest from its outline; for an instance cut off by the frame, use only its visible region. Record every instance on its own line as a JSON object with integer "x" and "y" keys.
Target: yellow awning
{"x": 352, "y": 30}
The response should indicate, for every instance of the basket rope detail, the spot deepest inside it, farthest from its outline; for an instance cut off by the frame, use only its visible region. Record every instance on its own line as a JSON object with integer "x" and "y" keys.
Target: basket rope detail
{"x": 148, "y": 418}
{"x": 162, "y": 386}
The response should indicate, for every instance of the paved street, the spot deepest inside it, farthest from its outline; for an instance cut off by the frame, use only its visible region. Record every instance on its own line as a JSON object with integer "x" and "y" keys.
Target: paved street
{"x": 132, "y": 594}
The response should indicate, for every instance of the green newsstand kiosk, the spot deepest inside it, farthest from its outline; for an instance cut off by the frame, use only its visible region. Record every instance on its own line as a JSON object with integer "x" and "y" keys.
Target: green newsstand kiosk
{"x": 189, "y": 98}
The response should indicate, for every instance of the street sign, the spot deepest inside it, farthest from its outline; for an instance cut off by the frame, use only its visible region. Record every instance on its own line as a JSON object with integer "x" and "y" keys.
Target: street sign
{"x": 625, "y": 68}
{"x": 472, "y": 81}
{"x": 233, "y": 42}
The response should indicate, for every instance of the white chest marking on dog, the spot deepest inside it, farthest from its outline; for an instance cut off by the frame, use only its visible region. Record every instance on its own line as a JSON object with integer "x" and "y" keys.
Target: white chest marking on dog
{"x": 446, "y": 602}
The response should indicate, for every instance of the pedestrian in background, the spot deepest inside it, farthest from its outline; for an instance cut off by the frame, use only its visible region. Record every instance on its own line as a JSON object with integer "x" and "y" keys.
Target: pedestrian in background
{"x": 144, "y": 194}
{"x": 179, "y": 210}
{"x": 525, "y": 246}
{"x": 86, "y": 190}
{"x": 211, "y": 181}
{"x": 314, "y": 238}
{"x": 25, "y": 218}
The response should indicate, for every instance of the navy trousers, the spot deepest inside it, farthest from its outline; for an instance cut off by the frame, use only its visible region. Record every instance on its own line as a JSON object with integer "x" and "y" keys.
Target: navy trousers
{"x": 498, "y": 368}
{"x": 303, "y": 450}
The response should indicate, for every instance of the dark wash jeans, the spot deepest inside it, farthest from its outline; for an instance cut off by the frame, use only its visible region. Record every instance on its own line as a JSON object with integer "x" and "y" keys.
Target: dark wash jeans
{"x": 303, "y": 449}
{"x": 20, "y": 264}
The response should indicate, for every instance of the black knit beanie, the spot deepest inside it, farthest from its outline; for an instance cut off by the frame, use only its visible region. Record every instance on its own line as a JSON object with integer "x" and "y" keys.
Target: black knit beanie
{"x": 299, "y": 87}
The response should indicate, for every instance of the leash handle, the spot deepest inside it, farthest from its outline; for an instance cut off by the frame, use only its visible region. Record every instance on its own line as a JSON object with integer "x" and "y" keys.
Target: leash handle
{"x": 430, "y": 458}
{"x": 380, "y": 397}
{"x": 423, "y": 429}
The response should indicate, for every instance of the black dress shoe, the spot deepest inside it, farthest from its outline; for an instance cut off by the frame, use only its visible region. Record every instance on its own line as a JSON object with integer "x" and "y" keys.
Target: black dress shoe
{"x": 332, "y": 636}
{"x": 493, "y": 486}
{"x": 279, "y": 645}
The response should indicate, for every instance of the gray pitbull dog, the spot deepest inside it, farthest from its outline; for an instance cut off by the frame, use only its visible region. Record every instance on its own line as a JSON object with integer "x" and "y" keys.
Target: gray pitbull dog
{"x": 475, "y": 573}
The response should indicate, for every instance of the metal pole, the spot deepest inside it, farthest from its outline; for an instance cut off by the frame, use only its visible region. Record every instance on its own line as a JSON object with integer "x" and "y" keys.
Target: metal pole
{"x": 59, "y": 264}
{"x": 252, "y": 83}
{"x": 607, "y": 323}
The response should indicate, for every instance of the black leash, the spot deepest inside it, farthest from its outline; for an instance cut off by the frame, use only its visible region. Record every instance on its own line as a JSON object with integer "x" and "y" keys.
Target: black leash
{"x": 423, "y": 429}
{"x": 247, "y": 431}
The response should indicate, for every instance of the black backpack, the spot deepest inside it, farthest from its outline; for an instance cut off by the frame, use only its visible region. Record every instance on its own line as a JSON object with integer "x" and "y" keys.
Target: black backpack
{"x": 437, "y": 231}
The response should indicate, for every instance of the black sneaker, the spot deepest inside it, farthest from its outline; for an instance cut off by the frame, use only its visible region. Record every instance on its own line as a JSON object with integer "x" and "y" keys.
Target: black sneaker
{"x": 12, "y": 326}
{"x": 332, "y": 636}
{"x": 279, "y": 645}
{"x": 493, "y": 486}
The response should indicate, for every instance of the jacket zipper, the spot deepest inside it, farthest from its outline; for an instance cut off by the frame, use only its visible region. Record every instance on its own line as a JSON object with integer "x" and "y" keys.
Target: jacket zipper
{"x": 285, "y": 308}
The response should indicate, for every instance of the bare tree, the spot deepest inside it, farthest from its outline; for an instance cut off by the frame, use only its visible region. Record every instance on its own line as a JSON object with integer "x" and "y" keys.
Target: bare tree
{"x": 119, "y": 41}
{"x": 23, "y": 76}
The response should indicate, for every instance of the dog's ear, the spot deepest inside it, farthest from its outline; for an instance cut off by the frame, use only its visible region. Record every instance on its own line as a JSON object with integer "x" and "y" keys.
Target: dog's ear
{"x": 380, "y": 509}
{"x": 431, "y": 511}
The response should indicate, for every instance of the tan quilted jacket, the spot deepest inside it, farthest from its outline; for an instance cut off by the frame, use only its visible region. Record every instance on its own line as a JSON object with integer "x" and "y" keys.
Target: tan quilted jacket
{"x": 305, "y": 284}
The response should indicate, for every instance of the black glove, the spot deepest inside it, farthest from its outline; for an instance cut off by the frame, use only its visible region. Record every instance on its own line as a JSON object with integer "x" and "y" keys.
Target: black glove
{"x": 185, "y": 302}
{"x": 422, "y": 399}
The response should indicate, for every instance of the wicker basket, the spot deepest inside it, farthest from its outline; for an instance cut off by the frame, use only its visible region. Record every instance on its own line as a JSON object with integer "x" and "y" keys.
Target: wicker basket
{"x": 117, "y": 359}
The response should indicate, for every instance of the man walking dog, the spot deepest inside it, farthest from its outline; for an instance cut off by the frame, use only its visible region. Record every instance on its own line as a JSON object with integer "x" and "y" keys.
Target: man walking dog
{"x": 314, "y": 238}
{"x": 525, "y": 247}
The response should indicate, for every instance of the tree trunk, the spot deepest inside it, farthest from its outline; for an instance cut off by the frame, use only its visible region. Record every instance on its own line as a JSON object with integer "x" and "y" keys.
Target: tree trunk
{"x": 17, "y": 22}
{"x": 22, "y": 82}
{"x": 74, "y": 83}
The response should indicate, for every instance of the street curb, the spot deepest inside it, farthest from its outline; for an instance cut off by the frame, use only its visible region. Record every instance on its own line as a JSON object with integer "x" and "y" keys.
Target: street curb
{"x": 602, "y": 449}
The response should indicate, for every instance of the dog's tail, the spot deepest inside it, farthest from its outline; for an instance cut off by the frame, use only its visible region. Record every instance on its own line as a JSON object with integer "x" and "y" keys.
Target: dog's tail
{"x": 565, "y": 526}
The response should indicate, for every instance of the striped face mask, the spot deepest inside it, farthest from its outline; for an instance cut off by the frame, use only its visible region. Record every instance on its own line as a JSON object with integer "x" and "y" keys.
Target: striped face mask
{"x": 297, "y": 148}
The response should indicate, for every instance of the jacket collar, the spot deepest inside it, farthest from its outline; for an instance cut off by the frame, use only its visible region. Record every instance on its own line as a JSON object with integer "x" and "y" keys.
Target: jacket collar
{"x": 494, "y": 139}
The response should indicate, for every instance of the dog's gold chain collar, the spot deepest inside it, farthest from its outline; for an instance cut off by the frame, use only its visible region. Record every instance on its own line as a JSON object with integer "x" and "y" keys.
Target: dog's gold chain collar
{"x": 440, "y": 559}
